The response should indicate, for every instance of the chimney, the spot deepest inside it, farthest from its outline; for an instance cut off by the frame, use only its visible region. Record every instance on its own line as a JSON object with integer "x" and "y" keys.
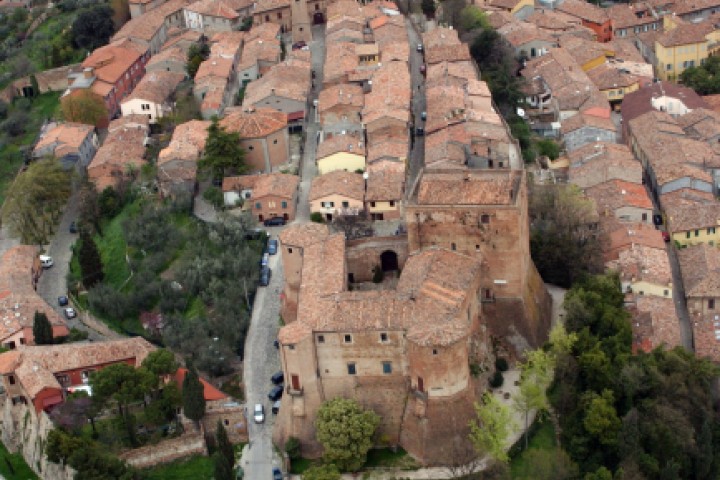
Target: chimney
{"x": 88, "y": 72}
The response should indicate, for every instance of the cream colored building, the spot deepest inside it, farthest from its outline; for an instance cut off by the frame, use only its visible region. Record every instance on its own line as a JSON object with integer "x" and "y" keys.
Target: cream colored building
{"x": 341, "y": 152}
{"x": 152, "y": 95}
{"x": 337, "y": 193}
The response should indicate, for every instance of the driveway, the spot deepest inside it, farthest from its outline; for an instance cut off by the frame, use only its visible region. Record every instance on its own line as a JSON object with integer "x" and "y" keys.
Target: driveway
{"x": 261, "y": 361}
{"x": 53, "y": 281}
{"x": 419, "y": 105}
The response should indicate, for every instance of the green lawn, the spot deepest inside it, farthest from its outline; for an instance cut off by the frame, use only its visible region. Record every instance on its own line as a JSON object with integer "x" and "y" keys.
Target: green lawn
{"x": 298, "y": 467}
{"x": 544, "y": 439}
{"x": 113, "y": 248}
{"x": 13, "y": 466}
{"x": 385, "y": 457}
{"x": 194, "y": 468}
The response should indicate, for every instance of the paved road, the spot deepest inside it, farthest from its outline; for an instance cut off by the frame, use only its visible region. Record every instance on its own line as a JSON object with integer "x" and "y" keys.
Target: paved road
{"x": 681, "y": 310}
{"x": 308, "y": 169}
{"x": 419, "y": 105}
{"x": 261, "y": 361}
{"x": 53, "y": 281}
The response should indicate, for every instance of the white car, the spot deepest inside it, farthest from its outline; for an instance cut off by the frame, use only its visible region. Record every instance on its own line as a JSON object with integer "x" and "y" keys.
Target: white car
{"x": 46, "y": 261}
{"x": 259, "y": 414}
{"x": 70, "y": 313}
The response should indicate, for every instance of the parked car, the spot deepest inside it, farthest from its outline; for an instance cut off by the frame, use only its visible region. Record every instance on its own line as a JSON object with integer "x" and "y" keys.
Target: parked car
{"x": 420, "y": 132}
{"x": 657, "y": 219}
{"x": 277, "y": 378}
{"x": 299, "y": 45}
{"x": 63, "y": 300}
{"x": 276, "y": 343}
{"x": 419, "y": 47}
{"x": 423, "y": 69}
{"x": 70, "y": 313}
{"x": 73, "y": 228}
{"x": 276, "y": 393}
{"x": 264, "y": 260}
{"x": 259, "y": 413}
{"x": 277, "y": 474}
{"x": 265, "y": 276}
{"x": 46, "y": 261}
{"x": 276, "y": 407}
{"x": 423, "y": 115}
{"x": 272, "y": 247}
{"x": 666, "y": 236}
{"x": 274, "y": 222}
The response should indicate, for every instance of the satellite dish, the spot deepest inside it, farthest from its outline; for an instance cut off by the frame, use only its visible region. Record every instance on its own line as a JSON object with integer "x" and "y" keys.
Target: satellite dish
{"x": 521, "y": 112}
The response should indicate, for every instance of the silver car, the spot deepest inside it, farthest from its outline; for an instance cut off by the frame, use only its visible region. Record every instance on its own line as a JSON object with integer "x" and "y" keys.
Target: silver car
{"x": 259, "y": 414}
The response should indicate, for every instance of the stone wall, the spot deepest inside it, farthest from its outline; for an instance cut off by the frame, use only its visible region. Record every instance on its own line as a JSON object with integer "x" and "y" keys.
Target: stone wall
{"x": 192, "y": 443}
{"x": 23, "y": 430}
{"x": 362, "y": 255}
{"x": 232, "y": 417}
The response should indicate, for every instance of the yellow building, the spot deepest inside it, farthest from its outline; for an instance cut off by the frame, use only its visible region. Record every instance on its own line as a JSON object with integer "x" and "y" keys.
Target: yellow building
{"x": 337, "y": 194}
{"x": 341, "y": 152}
{"x": 694, "y": 224}
{"x": 644, "y": 270}
{"x": 682, "y": 46}
{"x": 614, "y": 82}
{"x": 511, "y": 6}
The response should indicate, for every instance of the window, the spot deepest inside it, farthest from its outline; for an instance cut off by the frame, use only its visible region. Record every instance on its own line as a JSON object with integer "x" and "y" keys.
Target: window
{"x": 226, "y": 422}
{"x": 453, "y": 246}
{"x": 267, "y": 18}
{"x": 711, "y": 230}
{"x": 145, "y": 106}
{"x": 711, "y": 304}
{"x": 666, "y": 292}
{"x": 11, "y": 379}
{"x": 697, "y": 233}
{"x": 321, "y": 338}
{"x": 279, "y": 14}
{"x": 251, "y": 148}
{"x": 372, "y": 204}
{"x": 284, "y": 204}
{"x": 317, "y": 6}
{"x": 392, "y": 203}
{"x": 485, "y": 218}
{"x": 347, "y": 338}
{"x": 384, "y": 337}
{"x": 435, "y": 352}
{"x": 668, "y": 67}
{"x": 387, "y": 367}
{"x": 687, "y": 234}
{"x": 275, "y": 142}
{"x": 346, "y": 204}
{"x": 291, "y": 347}
{"x": 351, "y": 369}
{"x": 258, "y": 206}
{"x": 289, "y": 250}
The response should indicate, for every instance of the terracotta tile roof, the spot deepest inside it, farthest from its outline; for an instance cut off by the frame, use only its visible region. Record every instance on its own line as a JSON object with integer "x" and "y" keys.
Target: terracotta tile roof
{"x": 624, "y": 235}
{"x": 340, "y": 59}
{"x": 213, "y": 8}
{"x": 214, "y": 67}
{"x": 110, "y": 62}
{"x": 701, "y": 123}
{"x": 440, "y": 36}
{"x": 639, "y": 102}
{"x": 609, "y": 77}
{"x": 259, "y": 50}
{"x": 18, "y": 299}
{"x": 468, "y": 188}
{"x": 123, "y": 147}
{"x": 304, "y": 234}
{"x": 345, "y": 8}
{"x": 686, "y": 196}
{"x": 36, "y": 367}
{"x": 447, "y": 53}
{"x": 254, "y": 122}
{"x": 64, "y": 138}
{"x": 172, "y": 54}
{"x": 239, "y": 183}
{"x": 584, "y": 10}
{"x": 686, "y": 217}
{"x": 181, "y": 39}
{"x": 600, "y": 162}
{"x": 582, "y": 120}
{"x": 615, "y": 194}
{"x": 641, "y": 263}
{"x": 146, "y": 26}
{"x": 654, "y": 323}
{"x": 275, "y": 184}
{"x": 626, "y": 50}
{"x": 450, "y": 73}
{"x": 713, "y": 101}
{"x": 347, "y": 143}
{"x": 685, "y": 34}
{"x": 519, "y": 33}
{"x": 384, "y": 185}
{"x": 156, "y": 87}
{"x": 700, "y": 267}
{"x": 268, "y": 5}
{"x": 342, "y": 94}
{"x": 685, "y": 7}
{"x": 209, "y": 392}
{"x": 623, "y": 16}
{"x": 391, "y": 94}
{"x": 286, "y": 81}
{"x": 506, "y": 4}
{"x": 553, "y": 20}
{"x": 387, "y": 147}
{"x": 188, "y": 142}
{"x": 338, "y": 182}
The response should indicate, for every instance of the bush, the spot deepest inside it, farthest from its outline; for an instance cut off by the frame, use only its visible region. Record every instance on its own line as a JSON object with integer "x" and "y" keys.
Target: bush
{"x": 292, "y": 448}
{"x": 497, "y": 380}
{"x": 501, "y": 364}
{"x": 317, "y": 217}
{"x": 214, "y": 196}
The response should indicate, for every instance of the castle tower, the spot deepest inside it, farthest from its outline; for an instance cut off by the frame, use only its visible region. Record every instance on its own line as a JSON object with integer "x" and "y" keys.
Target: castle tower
{"x": 301, "y": 23}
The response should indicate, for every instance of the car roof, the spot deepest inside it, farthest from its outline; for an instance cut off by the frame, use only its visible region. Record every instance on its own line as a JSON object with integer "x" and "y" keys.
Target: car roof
{"x": 258, "y": 406}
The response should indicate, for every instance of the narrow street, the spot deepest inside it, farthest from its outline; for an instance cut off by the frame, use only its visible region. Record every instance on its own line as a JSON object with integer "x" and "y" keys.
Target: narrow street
{"x": 416, "y": 157}
{"x": 681, "y": 310}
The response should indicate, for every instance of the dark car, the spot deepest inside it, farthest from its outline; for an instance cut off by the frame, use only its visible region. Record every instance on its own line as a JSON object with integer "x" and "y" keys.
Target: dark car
{"x": 299, "y": 45}
{"x": 265, "y": 276}
{"x": 62, "y": 300}
{"x": 272, "y": 247}
{"x": 277, "y": 378}
{"x": 276, "y": 407}
{"x": 73, "y": 228}
{"x": 276, "y": 343}
{"x": 274, "y": 221}
{"x": 277, "y": 474}
{"x": 276, "y": 393}
{"x": 420, "y": 132}
{"x": 657, "y": 219}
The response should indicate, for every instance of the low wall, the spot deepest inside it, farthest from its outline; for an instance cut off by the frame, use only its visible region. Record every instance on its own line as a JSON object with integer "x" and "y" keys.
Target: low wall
{"x": 363, "y": 254}
{"x": 166, "y": 451}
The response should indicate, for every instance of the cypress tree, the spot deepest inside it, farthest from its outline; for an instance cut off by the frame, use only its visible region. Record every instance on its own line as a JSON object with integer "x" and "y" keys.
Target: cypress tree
{"x": 193, "y": 397}
{"x": 89, "y": 259}
{"x": 223, "y": 470}
{"x": 224, "y": 447}
{"x": 42, "y": 330}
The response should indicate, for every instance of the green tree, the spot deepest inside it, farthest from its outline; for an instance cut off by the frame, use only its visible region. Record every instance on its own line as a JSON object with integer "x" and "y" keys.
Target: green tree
{"x": 537, "y": 373}
{"x": 93, "y": 28}
{"x": 326, "y": 471}
{"x": 601, "y": 419}
{"x": 197, "y": 53}
{"x": 84, "y": 106}
{"x": 428, "y": 7}
{"x": 222, "y": 442}
{"x": 214, "y": 196}
{"x": 193, "y": 396}
{"x": 546, "y": 464}
{"x": 292, "y": 448}
{"x": 222, "y": 151}
{"x": 345, "y": 431}
{"x": 42, "y": 330}
{"x": 223, "y": 470}
{"x": 705, "y": 78}
{"x": 161, "y": 363}
{"x": 90, "y": 262}
{"x": 548, "y": 147}
{"x": 490, "y": 430}
{"x": 35, "y": 200}
{"x": 471, "y": 17}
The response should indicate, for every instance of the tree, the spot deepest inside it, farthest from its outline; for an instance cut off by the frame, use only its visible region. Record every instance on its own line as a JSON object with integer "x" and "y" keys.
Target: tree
{"x": 428, "y": 7}
{"x": 193, "y": 396}
{"x": 223, "y": 470}
{"x": 93, "y": 28}
{"x": 549, "y": 148}
{"x": 564, "y": 241}
{"x": 197, "y": 53}
{"x": 222, "y": 442}
{"x": 42, "y": 330}
{"x": 490, "y": 430}
{"x": 292, "y": 448}
{"x": 546, "y": 464}
{"x": 326, "y": 471}
{"x": 89, "y": 260}
{"x": 73, "y": 414}
{"x": 84, "y": 106}
{"x": 345, "y": 431}
{"x": 601, "y": 419}
{"x": 537, "y": 373}
{"x": 704, "y": 79}
{"x": 222, "y": 151}
{"x": 161, "y": 363}
{"x": 35, "y": 200}
{"x": 471, "y": 17}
